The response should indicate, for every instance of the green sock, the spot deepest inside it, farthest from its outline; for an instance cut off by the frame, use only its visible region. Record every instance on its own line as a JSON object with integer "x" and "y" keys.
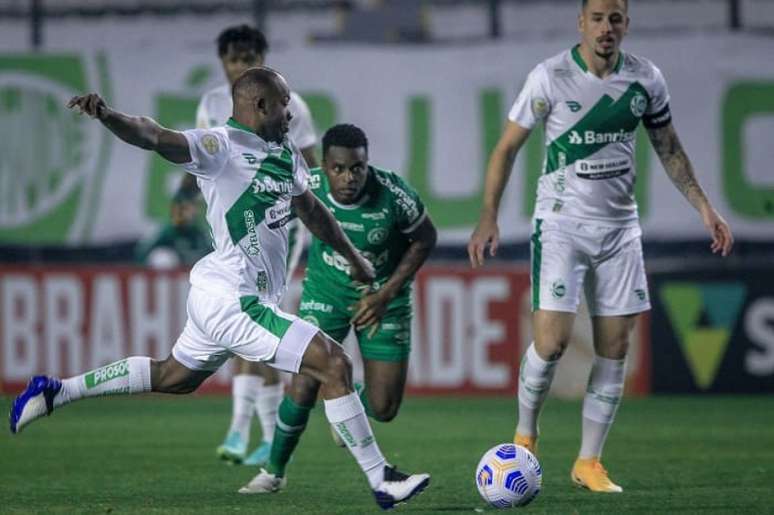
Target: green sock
{"x": 291, "y": 422}
{"x": 361, "y": 392}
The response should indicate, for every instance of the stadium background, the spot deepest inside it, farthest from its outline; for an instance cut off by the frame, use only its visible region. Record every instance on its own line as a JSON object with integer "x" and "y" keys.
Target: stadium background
{"x": 430, "y": 82}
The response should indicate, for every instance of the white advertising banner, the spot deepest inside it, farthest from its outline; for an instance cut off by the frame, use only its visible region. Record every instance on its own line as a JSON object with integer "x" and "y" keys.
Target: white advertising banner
{"x": 432, "y": 113}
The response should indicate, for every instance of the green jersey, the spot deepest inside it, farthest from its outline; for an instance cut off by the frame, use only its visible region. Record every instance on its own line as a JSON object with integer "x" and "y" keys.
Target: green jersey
{"x": 377, "y": 224}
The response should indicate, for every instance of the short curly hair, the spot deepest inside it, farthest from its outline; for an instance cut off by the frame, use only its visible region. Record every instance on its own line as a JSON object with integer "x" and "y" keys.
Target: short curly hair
{"x": 344, "y": 135}
{"x": 242, "y": 35}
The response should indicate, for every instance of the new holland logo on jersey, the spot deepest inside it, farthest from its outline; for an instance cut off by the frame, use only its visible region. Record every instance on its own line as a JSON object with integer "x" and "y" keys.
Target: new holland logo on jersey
{"x": 251, "y": 159}
{"x": 269, "y": 185}
{"x": 599, "y": 138}
{"x": 278, "y": 215}
{"x": 573, "y": 105}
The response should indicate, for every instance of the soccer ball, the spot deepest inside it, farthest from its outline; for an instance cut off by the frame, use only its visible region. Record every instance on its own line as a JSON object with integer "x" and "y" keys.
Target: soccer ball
{"x": 508, "y": 475}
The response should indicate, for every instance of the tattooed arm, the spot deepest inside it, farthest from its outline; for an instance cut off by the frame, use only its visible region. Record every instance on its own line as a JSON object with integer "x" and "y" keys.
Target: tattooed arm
{"x": 679, "y": 169}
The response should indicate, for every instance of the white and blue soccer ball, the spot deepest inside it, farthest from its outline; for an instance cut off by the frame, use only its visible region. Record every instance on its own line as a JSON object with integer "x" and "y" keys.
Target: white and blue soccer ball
{"x": 508, "y": 475}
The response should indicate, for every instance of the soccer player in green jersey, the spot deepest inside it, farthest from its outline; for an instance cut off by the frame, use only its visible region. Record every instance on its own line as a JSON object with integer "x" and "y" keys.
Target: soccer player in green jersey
{"x": 387, "y": 222}
{"x": 586, "y": 235}
{"x": 251, "y": 177}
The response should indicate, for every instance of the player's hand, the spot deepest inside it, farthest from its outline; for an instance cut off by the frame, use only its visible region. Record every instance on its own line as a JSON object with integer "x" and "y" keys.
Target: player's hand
{"x": 91, "y": 104}
{"x": 722, "y": 239}
{"x": 361, "y": 270}
{"x": 369, "y": 310}
{"x": 486, "y": 233}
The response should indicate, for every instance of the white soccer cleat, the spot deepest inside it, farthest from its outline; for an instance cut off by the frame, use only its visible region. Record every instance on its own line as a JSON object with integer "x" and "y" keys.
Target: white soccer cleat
{"x": 264, "y": 483}
{"x": 34, "y": 402}
{"x": 398, "y": 487}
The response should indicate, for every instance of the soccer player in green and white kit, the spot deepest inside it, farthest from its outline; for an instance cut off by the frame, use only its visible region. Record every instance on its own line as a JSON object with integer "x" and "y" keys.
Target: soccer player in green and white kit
{"x": 256, "y": 387}
{"x": 251, "y": 177}
{"x": 386, "y": 221}
{"x": 586, "y": 233}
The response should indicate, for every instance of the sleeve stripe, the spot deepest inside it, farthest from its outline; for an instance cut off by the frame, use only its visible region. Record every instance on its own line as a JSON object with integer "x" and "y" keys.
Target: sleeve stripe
{"x": 416, "y": 224}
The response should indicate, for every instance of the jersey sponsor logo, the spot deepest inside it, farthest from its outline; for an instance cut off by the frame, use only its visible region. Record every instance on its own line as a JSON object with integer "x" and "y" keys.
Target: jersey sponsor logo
{"x": 313, "y": 305}
{"x": 339, "y": 262}
{"x": 573, "y": 105}
{"x": 407, "y": 204}
{"x": 210, "y": 144}
{"x": 269, "y": 185}
{"x": 262, "y": 282}
{"x": 598, "y": 169}
{"x": 278, "y": 215}
{"x": 377, "y": 235}
{"x": 540, "y": 107}
{"x": 314, "y": 182}
{"x": 380, "y": 215}
{"x": 598, "y": 138}
{"x": 352, "y": 226}
{"x": 253, "y": 246}
{"x": 638, "y": 105}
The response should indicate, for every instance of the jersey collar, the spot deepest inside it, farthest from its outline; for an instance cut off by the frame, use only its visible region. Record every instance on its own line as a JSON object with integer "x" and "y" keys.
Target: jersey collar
{"x": 272, "y": 146}
{"x": 236, "y": 125}
{"x": 576, "y": 56}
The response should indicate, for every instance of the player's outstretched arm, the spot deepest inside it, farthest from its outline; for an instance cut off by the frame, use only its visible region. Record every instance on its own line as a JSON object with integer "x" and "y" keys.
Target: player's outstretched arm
{"x": 320, "y": 222}
{"x": 139, "y": 131}
{"x": 497, "y": 173}
{"x": 679, "y": 169}
{"x": 370, "y": 309}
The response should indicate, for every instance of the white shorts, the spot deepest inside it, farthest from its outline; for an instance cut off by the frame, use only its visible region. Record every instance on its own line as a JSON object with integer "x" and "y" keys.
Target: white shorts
{"x": 219, "y": 328}
{"x": 604, "y": 261}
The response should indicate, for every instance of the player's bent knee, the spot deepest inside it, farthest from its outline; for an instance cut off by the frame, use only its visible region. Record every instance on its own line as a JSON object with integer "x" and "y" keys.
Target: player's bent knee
{"x": 385, "y": 412}
{"x": 339, "y": 365}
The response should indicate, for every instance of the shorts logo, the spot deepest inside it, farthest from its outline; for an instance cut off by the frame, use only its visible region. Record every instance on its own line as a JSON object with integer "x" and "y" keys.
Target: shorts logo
{"x": 210, "y": 144}
{"x": 377, "y": 235}
{"x": 558, "y": 289}
{"x": 638, "y": 105}
{"x": 312, "y": 320}
{"x": 540, "y": 107}
{"x": 640, "y": 293}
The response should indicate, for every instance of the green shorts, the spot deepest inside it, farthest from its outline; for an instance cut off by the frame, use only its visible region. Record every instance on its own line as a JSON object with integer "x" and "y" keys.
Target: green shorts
{"x": 391, "y": 342}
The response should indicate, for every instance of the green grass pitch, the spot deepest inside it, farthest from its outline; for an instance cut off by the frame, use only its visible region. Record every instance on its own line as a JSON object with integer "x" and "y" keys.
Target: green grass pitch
{"x": 157, "y": 455}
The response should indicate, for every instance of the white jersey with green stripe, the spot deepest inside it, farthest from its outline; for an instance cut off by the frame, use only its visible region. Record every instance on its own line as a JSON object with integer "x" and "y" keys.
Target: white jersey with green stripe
{"x": 247, "y": 184}
{"x": 590, "y": 125}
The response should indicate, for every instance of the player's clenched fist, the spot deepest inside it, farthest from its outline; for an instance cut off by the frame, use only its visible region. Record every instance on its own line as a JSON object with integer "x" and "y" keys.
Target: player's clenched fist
{"x": 91, "y": 104}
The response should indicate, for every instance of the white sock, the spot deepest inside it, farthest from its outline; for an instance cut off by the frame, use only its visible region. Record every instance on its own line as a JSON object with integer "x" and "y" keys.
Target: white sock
{"x": 130, "y": 375}
{"x": 266, "y": 407}
{"x": 603, "y": 395}
{"x": 244, "y": 389}
{"x": 348, "y": 417}
{"x": 535, "y": 379}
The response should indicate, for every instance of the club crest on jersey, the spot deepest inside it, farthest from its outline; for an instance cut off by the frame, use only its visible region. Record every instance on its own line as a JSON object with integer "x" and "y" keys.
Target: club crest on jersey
{"x": 377, "y": 235}
{"x": 210, "y": 144}
{"x": 638, "y": 105}
{"x": 540, "y": 107}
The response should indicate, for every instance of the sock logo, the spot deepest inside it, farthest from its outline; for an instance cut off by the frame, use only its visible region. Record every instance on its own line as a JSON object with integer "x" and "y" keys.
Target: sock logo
{"x": 703, "y": 316}
{"x": 107, "y": 373}
{"x": 346, "y": 435}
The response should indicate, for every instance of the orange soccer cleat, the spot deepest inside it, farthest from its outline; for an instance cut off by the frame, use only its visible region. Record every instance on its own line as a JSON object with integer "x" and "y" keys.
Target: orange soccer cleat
{"x": 589, "y": 473}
